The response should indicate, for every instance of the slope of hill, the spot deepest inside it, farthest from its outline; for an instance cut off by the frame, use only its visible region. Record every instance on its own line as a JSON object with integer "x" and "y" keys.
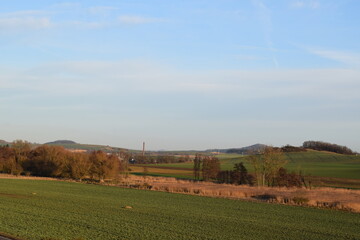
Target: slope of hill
{"x": 3, "y": 142}
{"x": 320, "y": 156}
{"x": 244, "y": 150}
{"x": 68, "y": 144}
{"x": 60, "y": 142}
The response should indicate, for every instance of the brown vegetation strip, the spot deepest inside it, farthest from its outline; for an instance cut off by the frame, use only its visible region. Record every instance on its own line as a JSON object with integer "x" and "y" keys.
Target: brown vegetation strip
{"x": 334, "y": 182}
{"x": 162, "y": 167}
{"x": 344, "y": 199}
{"x": 9, "y": 176}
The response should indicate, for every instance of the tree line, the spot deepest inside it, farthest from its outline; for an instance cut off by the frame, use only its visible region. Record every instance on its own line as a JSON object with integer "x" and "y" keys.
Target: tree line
{"x": 55, "y": 161}
{"x": 207, "y": 166}
{"x": 268, "y": 170}
{"x": 324, "y": 146}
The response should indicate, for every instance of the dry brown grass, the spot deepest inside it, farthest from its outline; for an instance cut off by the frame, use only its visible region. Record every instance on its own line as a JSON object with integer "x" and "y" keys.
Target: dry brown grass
{"x": 9, "y": 176}
{"x": 318, "y": 197}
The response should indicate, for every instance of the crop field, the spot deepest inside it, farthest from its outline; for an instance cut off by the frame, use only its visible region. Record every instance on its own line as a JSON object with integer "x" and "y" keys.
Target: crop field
{"x": 34, "y": 209}
{"x": 314, "y": 163}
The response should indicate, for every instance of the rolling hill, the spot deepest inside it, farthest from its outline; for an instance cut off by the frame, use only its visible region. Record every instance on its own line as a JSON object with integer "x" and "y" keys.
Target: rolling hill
{"x": 71, "y": 145}
{"x": 3, "y": 143}
{"x": 243, "y": 150}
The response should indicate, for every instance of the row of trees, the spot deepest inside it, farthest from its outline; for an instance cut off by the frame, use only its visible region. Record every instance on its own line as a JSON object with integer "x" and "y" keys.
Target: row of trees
{"x": 324, "y": 146}
{"x": 237, "y": 176}
{"x": 266, "y": 165}
{"x": 55, "y": 161}
{"x": 289, "y": 148}
{"x": 207, "y": 166}
{"x": 268, "y": 169}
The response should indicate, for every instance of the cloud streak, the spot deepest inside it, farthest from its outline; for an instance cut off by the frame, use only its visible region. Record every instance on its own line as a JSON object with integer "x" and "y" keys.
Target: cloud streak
{"x": 339, "y": 56}
{"x": 82, "y": 78}
{"x": 264, "y": 14}
{"x": 134, "y": 19}
{"x": 312, "y": 4}
{"x": 24, "y": 23}
{"x": 101, "y": 10}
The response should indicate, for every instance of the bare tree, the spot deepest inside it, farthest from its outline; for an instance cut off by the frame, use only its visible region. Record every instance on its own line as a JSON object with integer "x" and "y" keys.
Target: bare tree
{"x": 210, "y": 168}
{"x": 197, "y": 166}
{"x": 266, "y": 165}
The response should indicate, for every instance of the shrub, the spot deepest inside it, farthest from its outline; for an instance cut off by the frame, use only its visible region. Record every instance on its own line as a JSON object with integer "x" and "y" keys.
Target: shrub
{"x": 300, "y": 200}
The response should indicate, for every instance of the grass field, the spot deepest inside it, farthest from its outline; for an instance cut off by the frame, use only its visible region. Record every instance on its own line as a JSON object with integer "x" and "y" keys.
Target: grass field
{"x": 313, "y": 163}
{"x": 63, "y": 210}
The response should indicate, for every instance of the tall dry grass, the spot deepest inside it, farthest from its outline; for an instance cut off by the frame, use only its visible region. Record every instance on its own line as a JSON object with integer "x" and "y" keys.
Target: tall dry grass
{"x": 344, "y": 199}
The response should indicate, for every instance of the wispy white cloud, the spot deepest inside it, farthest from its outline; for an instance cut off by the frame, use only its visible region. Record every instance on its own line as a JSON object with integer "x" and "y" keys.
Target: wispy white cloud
{"x": 133, "y": 19}
{"x": 66, "y": 5}
{"x": 84, "y": 24}
{"x": 101, "y": 10}
{"x": 249, "y": 47}
{"x": 339, "y": 56}
{"x": 25, "y": 20}
{"x": 265, "y": 18}
{"x": 82, "y": 78}
{"x": 298, "y": 4}
{"x": 25, "y": 13}
{"x": 243, "y": 57}
{"x": 24, "y": 23}
{"x": 312, "y": 4}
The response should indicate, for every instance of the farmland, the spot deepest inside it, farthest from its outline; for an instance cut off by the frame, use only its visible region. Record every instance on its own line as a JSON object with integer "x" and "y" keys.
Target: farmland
{"x": 73, "y": 210}
{"x": 314, "y": 163}
{"x": 320, "y": 168}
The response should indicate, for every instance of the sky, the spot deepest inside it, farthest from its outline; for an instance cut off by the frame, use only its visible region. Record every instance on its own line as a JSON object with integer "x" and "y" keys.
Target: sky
{"x": 186, "y": 74}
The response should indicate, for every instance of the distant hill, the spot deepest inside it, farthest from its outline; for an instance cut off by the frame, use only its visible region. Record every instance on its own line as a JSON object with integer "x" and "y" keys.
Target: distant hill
{"x": 60, "y": 142}
{"x": 244, "y": 150}
{"x": 3, "y": 142}
{"x": 71, "y": 145}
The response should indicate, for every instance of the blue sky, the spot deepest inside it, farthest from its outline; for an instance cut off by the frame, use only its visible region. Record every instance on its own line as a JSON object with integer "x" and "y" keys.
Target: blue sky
{"x": 180, "y": 74}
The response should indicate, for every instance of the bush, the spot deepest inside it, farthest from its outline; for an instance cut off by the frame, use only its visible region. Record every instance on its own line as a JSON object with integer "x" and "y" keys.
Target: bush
{"x": 300, "y": 200}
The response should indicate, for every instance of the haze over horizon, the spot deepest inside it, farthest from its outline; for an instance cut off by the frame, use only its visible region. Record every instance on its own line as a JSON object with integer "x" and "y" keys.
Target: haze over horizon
{"x": 180, "y": 74}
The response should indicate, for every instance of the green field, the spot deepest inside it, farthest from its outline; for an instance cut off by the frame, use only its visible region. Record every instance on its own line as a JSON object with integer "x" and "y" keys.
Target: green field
{"x": 63, "y": 210}
{"x": 313, "y": 163}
